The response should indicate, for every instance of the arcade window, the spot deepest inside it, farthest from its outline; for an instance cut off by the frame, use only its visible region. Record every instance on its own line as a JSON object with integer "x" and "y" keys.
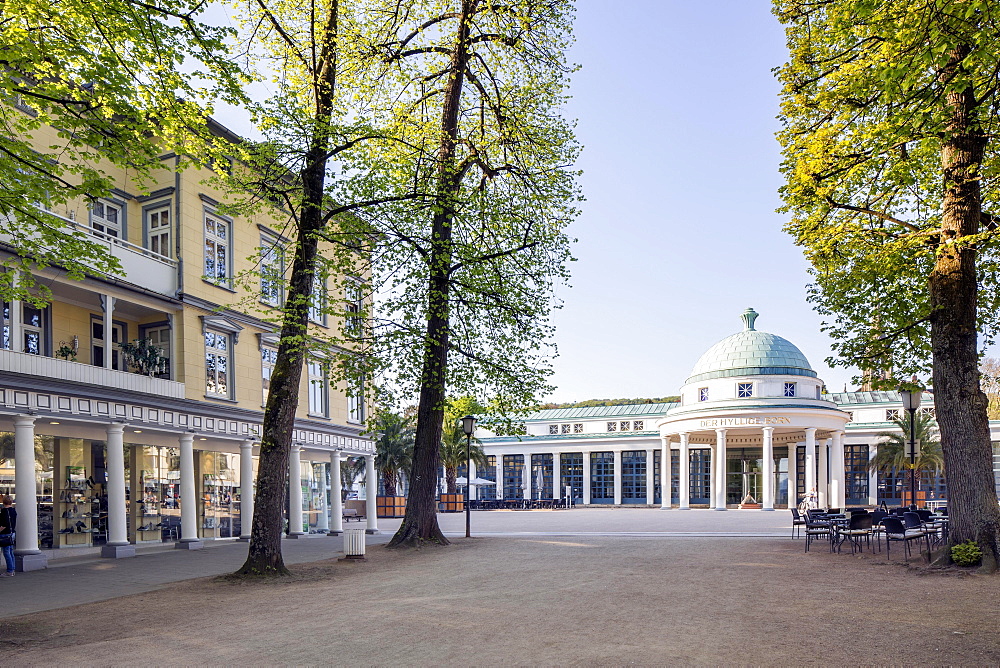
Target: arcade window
{"x": 702, "y": 394}
{"x": 744, "y": 390}
{"x": 789, "y": 389}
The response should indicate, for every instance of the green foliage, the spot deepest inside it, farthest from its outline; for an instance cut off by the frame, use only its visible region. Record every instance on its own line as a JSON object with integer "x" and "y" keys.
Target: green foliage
{"x": 87, "y": 83}
{"x": 966, "y": 554}
{"x": 143, "y": 356}
{"x": 66, "y": 352}
{"x": 891, "y": 454}
{"x": 864, "y": 120}
{"x": 393, "y": 447}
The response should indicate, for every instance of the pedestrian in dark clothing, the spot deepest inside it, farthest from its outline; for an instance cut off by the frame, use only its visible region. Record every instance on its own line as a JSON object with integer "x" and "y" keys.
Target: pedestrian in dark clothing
{"x": 8, "y": 522}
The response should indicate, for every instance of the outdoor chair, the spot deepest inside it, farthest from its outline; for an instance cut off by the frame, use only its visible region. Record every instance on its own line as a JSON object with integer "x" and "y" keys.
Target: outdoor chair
{"x": 877, "y": 528}
{"x": 859, "y": 528}
{"x": 797, "y": 522}
{"x": 816, "y": 529}
{"x": 925, "y": 514}
{"x": 895, "y": 530}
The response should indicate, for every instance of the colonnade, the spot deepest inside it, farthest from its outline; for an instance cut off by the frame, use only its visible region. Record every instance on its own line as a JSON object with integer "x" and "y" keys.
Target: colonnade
{"x": 30, "y": 557}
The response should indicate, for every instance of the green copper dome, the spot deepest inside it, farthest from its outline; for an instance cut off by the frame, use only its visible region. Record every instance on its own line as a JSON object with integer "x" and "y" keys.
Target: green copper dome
{"x": 751, "y": 353}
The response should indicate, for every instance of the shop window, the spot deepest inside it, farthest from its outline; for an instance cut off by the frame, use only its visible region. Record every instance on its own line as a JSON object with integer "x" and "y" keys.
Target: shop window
{"x": 158, "y": 230}
{"x": 789, "y": 389}
{"x": 488, "y": 472}
{"x": 744, "y": 390}
{"x": 602, "y": 477}
{"x": 702, "y": 394}
{"x": 541, "y": 476}
{"x": 571, "y": 473}
{"x": 217, "y": 234}
{"x": 634, "y": 476}
{"x": 218, "y": 351}
{"x": 513, "y": 476}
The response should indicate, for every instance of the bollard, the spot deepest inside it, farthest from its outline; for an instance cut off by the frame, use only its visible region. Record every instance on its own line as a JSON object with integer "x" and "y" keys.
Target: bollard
{"x": 354, "y": 545}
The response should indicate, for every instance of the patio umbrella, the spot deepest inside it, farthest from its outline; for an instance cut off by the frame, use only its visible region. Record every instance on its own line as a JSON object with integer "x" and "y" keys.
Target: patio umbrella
{"x": 480, "y": 482}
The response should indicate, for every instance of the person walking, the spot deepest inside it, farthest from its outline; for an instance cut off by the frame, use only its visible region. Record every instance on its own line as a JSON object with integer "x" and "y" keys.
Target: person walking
{"x": 8, "y": 522}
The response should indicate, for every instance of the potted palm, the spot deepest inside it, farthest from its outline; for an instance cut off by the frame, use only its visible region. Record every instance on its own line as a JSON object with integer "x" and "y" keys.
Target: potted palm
{"x": 891, "y": 455}
{"x": 453, "y": 455}
{"x": 393, "y": 454}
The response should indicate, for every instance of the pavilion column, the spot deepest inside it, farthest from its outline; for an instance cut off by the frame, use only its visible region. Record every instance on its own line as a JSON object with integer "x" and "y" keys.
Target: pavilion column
{"x": 189, "y": 502}
{"x": 556, "y": 477}
{"x": 246, "y": 489}
{"x": 838, "y": 490}
{"x": 295, "y": 492}
{"x": 665, "y": 473}
{"x": 793, "y": 475}
{"x": 323, "y": 521}
{"x": 872, "y": 477}
{"x": 336, "y": 496}
{"x": 684, "y": 475}
{"x": 712, "y": 491}
{"x": 371, "y": 490}
{"x": 650, "y": 461}
{"x": 768, "y": 440}
{"x": 499, "y": 476}
{"x": 586, "y": 478}
{"x": 618, "y": 477}
{"x": 117, "y": 546}
{"x": 27, "y": 555}
{"x": 823, "y": 473}
{"x": 810, "y": 482}
{"x": 471, "y": 475}
{"x": 720, "y": 469}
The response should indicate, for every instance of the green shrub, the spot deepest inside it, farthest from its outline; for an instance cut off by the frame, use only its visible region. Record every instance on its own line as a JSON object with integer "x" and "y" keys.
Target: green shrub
{"x": 966, "y": 554}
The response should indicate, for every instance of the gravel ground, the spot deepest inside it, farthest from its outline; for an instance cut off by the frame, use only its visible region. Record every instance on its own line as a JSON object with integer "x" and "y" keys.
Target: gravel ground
{"x": 556, "y": 600}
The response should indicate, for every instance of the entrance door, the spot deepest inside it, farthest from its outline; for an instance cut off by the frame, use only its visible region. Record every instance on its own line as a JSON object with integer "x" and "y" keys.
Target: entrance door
{"x": 744, "y": 468}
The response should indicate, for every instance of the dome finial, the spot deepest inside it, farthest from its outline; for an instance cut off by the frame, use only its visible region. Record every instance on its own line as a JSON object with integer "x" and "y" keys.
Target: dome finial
{"x": 748, "y": 317}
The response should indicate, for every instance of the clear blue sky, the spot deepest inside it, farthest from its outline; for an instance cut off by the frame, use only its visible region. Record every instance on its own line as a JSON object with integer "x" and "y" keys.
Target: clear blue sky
{"x": 676, "y": 106}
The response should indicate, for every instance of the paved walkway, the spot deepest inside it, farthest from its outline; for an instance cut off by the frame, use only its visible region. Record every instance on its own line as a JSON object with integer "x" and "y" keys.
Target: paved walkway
{"x": 82, "y": 579}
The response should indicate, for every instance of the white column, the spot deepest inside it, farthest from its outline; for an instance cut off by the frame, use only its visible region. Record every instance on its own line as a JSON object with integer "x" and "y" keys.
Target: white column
{"x": 665, "y": 473}
{"x": 499, "y": 476}
{"x": 618, "y": 477}
{"x": 108, "y": 305}
{"x": 684, "y": 475}
{"x": 323, "y": 521}
{"x": 371, "y": 489}
{"x": 29, "y": 557}
{"x": 650, "y": 475}
{"x": 246, "y": 489}
{"x": 713, "y": 491}
{"x": 810, "y": 485}
{"x": 838, "y": 497}
{"x": 823, "y": 473}
{"x": 471, "y": 475}
{"x": 872, "y": 477}
{"x": 118, "y": 545}
{"x": 526, "y": 477}
{"x": 336, "y": 496}
{"x": 189, "y": 504}
{"x": 556, "y": 477}
{"x": 720, "y": 470}
{"x": 793, "y": 475}
{"x": 295, "y": 492}
{"x": 586, "y": 478}
{"x": 768, "y": 501}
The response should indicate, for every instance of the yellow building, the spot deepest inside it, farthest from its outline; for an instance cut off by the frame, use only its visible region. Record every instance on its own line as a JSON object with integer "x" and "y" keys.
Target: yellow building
{"x": 102, "y": 456}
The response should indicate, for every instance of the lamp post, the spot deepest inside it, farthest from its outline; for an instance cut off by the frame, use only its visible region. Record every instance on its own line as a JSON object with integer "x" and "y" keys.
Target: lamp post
{"x": 911, "y": 402}
{"x": 468, "y": 426}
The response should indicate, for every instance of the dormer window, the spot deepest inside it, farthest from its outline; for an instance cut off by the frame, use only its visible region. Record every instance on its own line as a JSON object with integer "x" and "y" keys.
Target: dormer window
{"x": 702, "y": 394}
{"x": 744, "y": 390}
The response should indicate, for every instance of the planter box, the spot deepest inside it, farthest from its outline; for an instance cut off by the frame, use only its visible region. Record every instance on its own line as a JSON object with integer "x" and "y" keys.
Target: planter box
{"x": 451, "y": 503}
{"x": 390, "y": 506}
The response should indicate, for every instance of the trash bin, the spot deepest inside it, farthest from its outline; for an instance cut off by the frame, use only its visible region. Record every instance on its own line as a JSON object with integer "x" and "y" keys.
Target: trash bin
{"x": 354, "y": 545}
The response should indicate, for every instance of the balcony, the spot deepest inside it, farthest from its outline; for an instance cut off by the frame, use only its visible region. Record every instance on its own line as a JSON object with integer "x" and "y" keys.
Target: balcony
{"x": 141, "y": 267}
{"x": 50, "y": 368}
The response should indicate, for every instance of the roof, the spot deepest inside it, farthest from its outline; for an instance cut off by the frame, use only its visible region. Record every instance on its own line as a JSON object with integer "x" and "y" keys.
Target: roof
{"x": 880, "y": 397}
{"x": 550, "y": 414}
{"x": 751, "y": 353}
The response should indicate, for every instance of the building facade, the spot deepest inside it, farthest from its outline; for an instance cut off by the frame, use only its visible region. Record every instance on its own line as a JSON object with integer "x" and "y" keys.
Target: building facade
{"x": 101, "y": 453}
{"x": 753, "y": 428}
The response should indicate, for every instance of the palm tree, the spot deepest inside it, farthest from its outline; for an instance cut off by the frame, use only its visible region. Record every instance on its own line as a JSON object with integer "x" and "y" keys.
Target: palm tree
{"x": 393, "y": 449}
{"x": 453, "y": 452}
{"x": 350, "y": 469}
{"x": 891, "y": 455}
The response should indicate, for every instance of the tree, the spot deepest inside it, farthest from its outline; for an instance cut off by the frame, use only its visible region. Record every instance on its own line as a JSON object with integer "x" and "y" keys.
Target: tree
{"x": 393, "y": 448}
{"x": 469, "y": 94}
{"x": 891, "y": 455}
{"x": 87, "y": 86}
{"x": 453, "y": 452}
{"x": 888, "y": 110}
{"x": 989, "y": 369}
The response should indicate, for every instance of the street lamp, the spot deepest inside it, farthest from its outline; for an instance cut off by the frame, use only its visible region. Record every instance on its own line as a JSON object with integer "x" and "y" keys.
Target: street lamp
{"x": 468, "y": 426}
{"x": 911, "y": 402}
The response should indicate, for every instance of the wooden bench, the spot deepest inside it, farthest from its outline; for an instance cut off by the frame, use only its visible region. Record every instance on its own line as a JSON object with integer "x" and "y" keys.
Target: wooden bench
{"x": 351, "y": 514}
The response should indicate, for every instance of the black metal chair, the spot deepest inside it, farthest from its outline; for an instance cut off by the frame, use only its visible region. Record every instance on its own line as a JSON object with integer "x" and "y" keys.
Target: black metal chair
{"x": 860, "y": 527}
{"x": 895, "y": 530}
{"x": 797, "y": 522}
{"x": 816, "y": 529}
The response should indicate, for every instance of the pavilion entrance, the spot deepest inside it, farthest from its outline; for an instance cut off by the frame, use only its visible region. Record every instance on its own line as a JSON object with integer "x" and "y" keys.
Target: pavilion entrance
{"x": 745, "y": 475}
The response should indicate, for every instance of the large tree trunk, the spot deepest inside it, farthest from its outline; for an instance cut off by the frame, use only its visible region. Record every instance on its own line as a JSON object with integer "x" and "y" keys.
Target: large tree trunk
{"x": 420, "y": 522}
{"x": 264, "y": 557}
{"x": 959, "y": 401}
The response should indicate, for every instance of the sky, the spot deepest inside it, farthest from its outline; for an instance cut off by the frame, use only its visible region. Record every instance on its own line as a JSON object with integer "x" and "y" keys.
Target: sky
{"x": 676, "y": 106}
